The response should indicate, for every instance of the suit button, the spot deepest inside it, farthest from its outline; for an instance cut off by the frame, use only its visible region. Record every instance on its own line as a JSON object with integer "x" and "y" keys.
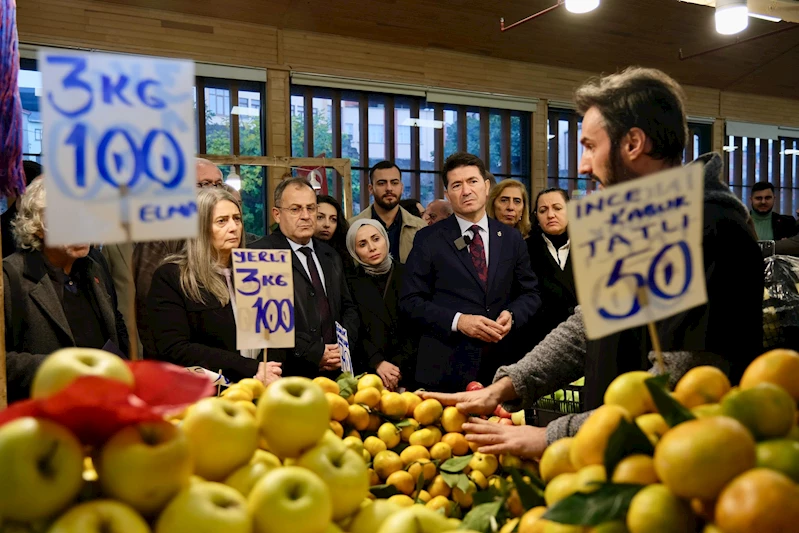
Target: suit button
{"x": 488, "y": 310}
{"x": 313, "y": 330}
{"x": 312, "y": 293}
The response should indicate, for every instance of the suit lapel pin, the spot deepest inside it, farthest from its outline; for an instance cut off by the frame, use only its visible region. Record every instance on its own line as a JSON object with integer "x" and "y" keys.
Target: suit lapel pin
{"x": 499, "y": 234}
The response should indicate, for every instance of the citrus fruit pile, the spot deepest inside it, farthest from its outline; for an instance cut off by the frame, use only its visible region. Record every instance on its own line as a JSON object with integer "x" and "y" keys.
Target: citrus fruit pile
{"x": 705, "y": 457}
{"x": 415, "y": 449}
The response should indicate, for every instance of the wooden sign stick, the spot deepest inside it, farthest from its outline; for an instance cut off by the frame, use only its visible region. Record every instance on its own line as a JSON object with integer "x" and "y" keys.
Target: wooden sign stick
{"x": 653, "y": 334}
{"x": 133, "y": 330}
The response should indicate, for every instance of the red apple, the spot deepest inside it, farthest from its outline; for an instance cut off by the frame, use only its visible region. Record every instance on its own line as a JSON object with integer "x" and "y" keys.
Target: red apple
{"x": 474, "y": 385}
{"x": 501, "y": 412}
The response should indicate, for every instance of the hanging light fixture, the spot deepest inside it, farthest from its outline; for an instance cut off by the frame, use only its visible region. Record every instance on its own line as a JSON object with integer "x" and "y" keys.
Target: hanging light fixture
{"x": 732, "y": 16}
{"x": 581, "y": 6}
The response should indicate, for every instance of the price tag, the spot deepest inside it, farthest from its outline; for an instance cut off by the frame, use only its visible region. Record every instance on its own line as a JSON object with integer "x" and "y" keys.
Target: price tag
{"x": 264, "y": 299}
{"x": 344, "y": 348}
{"x": 113, "y": 122}
{"x": 644, "y": 233}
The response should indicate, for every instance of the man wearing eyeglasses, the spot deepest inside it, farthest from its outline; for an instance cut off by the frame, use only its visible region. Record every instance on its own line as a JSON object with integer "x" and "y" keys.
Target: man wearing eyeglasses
{"x": 148, "y": 256}
{"x": 321, "y": 295}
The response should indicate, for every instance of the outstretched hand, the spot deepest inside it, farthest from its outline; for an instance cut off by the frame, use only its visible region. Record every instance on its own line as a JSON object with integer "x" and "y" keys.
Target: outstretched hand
{"x": 478, "y": 402}
{"x": 522, "y": 441}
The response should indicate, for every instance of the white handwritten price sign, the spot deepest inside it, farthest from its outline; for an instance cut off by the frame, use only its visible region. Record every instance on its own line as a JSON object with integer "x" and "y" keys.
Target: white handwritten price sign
{"x": 264, "y": 299}
{"x": 642, "y": 234}
{"x": 112, "y": 121}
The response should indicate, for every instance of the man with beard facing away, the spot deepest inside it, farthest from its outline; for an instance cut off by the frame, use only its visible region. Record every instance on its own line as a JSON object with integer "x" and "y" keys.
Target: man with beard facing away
{"x": 634, "y": 125}
{"x": 385, "y": 185}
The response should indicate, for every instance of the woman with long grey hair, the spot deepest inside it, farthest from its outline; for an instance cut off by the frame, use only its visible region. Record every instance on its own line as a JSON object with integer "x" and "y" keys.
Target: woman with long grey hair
{"x": 191, "y": 304}
{"x": 385, "y": 343}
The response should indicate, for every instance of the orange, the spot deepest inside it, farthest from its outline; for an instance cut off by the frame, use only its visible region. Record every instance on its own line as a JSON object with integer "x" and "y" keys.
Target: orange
{"x": 414, "y": 453}
{"x": 452, "y": 419}
{"x": 370, "y": 381}
{"x": 458, "y": 443}
{"x": 630, "y": 392}
{"x": 425, "y": 467}
{"x": 767, "y": 410}
{"x": 358, "y": 417}
{"x": 656, "y": 508}
{"x": 393, "y": 405}
{"x": 369, "y": 397}
{"x": 337, "y": 428}
{"x": 636, "y": 469}
{"x": 439, "y": 502}
{"x": 441, "y": 451}
{"x": 403, "y": 481}
{"x": 591, "y": 440}
{"x": 386, "y": 463}
{"x": 780, "y": 367}
{"x": 428, "y": 412}
{"x": 757, "y": 501}
{"x": 530, "y": 518}
{"x": 555, "y": 460}
{"x": 411, "y": 401}
{"x": 339, "y": 408}
{"x": 374, "y": 422}
{"x": 438, "y": 487}
{"x": 702, "y": 385}
{"x": 653, "y": 425}
{"x": 697, "y": 458}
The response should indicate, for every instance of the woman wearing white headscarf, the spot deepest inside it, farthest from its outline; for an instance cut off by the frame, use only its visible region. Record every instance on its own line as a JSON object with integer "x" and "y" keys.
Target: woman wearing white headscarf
{"x": 386, "y": 346}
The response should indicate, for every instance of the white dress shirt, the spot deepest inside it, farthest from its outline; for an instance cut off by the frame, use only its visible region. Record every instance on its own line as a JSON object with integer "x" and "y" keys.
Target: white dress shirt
{"x": 466, "y": 230}
{"x": 561, "y": 254}
{"x": 304, "y": 260}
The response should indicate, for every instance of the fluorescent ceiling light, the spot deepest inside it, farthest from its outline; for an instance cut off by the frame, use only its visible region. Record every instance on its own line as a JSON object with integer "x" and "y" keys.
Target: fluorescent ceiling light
{"x": 581, "y": 6}
{"x": 790, "y": 151}
{"x": 732, "y": 16}
{"x": 423, "y": 123}
{"x": 730, "y": 148}
{"x": 245, "y": 111}
{"x": 765, "y": 17}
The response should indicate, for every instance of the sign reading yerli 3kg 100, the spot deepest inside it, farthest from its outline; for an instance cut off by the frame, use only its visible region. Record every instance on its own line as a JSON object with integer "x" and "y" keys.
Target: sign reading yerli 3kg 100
{"x": 111, "y": 122}
{"x": 641, "y": 234}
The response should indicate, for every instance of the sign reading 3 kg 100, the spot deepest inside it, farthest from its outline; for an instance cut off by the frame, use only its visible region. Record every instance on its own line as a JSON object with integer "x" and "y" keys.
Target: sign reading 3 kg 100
{"x": 114, "y": 123}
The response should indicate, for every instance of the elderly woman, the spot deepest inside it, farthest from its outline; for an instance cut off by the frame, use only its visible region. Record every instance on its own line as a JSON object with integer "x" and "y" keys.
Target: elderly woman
{"x": 385, "y": 342}
{"x": 54, "y": 297}
{"x": 507, "y": 203}
{"x": 191, "y": 304}
{"x": 551, "y": 261}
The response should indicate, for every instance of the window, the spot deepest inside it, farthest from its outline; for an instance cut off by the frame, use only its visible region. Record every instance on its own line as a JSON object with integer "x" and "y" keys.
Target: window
{"x": 748, "y": 160}
{"x": 564, "y": 128}
{"x": 418, "y": 136}
{"x": 37, "y": 134}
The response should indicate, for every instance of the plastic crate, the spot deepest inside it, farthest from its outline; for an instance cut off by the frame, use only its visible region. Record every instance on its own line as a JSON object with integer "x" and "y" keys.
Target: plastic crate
{"x": 568, "y": 400}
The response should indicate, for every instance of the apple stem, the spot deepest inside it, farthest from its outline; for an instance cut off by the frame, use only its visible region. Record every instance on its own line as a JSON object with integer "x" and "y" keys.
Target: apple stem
{"x": 45, "y": 464}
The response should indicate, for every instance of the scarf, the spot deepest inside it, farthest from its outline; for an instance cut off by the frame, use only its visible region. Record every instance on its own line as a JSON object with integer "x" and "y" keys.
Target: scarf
{"x": 373, "y": 270}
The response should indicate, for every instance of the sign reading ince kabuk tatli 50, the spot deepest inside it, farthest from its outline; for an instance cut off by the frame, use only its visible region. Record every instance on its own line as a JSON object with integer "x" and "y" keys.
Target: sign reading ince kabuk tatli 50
{"x": 645, "y": 233}
{"x": 112, "y": 121}
{"x": 264, "y": 298}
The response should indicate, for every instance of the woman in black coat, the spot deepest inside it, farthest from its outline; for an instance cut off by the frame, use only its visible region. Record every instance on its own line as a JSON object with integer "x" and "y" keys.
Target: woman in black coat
{"x": 550, "y": 259}
{"x": 191, "y": 303}
{"x": 385, "y": 343}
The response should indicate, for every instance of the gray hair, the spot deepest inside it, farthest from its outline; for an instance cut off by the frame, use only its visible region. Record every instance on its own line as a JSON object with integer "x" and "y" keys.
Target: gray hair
{"x": 199, "y": 260}
{"x": 372, "y": 270}
{"x": 29, "y": 223}
{"x": 283, "y": 185}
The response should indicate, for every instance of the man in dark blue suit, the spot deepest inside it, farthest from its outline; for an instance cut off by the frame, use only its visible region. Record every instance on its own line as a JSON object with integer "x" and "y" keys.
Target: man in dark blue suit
{"x": 468, "y": 285}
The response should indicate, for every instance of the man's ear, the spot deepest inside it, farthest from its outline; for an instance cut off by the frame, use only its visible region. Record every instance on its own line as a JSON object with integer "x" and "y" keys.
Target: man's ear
{"x": 634, "y": 145}
{"x": 276, "y": 214}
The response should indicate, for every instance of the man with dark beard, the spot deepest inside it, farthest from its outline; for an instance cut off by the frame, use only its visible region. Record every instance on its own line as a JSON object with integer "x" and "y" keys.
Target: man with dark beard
{"x": 385, "y": 185}
{"x": 634, "y": 125}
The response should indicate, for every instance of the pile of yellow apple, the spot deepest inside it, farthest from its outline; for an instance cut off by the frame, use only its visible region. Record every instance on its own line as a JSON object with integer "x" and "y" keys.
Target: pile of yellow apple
{"x": 415, "y": 449}
{"x": 720, "y": 459}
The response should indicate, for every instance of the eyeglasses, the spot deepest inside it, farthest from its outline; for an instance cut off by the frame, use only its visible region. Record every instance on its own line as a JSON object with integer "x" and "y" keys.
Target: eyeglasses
{"x": 297, "y": 210}
{"x": 204, "y": 184}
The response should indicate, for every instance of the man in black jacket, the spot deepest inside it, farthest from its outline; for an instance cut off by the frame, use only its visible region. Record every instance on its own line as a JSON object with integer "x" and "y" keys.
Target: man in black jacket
{"x": 321, "y": 295}
{"x": 770, "y": 226}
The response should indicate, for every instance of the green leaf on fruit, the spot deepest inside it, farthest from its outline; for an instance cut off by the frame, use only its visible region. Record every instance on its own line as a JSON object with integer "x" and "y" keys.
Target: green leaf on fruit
{"x": 403, "y": 423}
{"x": 486, "y": 496}
{"x": 384, "y": 491}
{"x": 529, "y": 495}
{"x": 463, "y": 483}
{"x": 627, "y": 439}
{"x": 399, "y": 447}
{"x": 479, "y": 518}
{"x": 419, "y": 483}
{"x": 451, "y": 479}
{"x": 670, "y": 409}
{"x": 534, "y": 479}
{"x": 456, "y": 464}
{"x": 347, "y": 385}
{"x": 608, "y": 503}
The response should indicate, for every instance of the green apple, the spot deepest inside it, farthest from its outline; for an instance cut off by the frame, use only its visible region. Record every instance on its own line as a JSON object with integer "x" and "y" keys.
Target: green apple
{"x": 222, "y": 437}
{"x": 370, "y": 517}
{"x": 145, "y": 465}
{"x": 290, "y": 499}
{"x": 100, "y": 516}
{"x": 293, "y": 415}
{"x": 245, "y": 478}
{"x": 415, "y": 519}
{"x": 205, "y": 507}
{"x": 41, "y": 469}
{"x": 344, "y": 472}
{"x": 62, "y": 367}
